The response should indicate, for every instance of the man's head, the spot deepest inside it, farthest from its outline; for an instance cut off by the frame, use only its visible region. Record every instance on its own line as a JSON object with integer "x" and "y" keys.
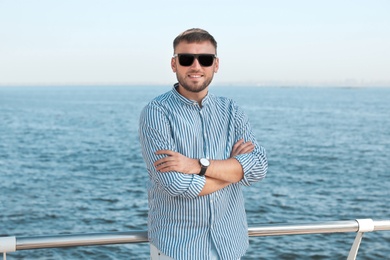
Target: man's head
{"x": 194, "y": 62}
{"x": 195, "y": 35}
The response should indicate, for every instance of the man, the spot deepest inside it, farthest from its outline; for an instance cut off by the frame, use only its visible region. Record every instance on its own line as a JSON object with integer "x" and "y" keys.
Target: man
{"x": 199, "y": 151}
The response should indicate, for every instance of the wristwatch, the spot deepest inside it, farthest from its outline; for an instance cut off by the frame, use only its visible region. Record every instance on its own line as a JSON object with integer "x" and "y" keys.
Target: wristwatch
{"x": 204, "y": 163}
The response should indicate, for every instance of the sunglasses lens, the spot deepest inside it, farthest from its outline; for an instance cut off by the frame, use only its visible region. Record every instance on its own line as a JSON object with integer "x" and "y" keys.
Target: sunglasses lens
{"x": 186, "y": 59}
{"x": 206, "y": 60}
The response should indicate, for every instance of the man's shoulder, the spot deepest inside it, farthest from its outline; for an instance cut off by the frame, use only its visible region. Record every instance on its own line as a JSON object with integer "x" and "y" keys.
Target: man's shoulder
{"x": 224, "y": 101}
{"x": 160, "y": 100}
{"x": 162, "y": 97}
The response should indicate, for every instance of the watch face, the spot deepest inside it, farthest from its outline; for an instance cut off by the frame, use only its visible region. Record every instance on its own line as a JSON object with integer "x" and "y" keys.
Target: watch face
{"x": 204, "y": 162}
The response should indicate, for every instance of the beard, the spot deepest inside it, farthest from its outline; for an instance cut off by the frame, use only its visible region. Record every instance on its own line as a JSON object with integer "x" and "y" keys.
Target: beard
{"x": 195, "y": 87}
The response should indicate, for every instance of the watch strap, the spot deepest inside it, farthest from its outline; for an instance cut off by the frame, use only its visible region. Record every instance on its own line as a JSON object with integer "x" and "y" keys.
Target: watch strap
{"x": 202, "y": 170}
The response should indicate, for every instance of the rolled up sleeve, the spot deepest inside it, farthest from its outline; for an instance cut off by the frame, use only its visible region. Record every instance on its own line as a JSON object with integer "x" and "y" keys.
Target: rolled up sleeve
{"x": 254, "y": 165}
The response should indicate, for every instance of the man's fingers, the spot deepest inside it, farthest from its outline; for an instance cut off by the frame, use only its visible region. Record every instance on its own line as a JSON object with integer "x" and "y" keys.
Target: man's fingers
{"x": 162, "y": 168}
{"x": 242, "y": 147}
{"x": 246, "y": 147}
{"x": 238, "y": 144}
{"x": 164, "y": 160}
{"x": 165, "y": 166}
{"x": 167, "y": 152}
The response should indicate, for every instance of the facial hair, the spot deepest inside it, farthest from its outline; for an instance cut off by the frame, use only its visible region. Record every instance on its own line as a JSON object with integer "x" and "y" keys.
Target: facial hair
{"x": 193, "y": 88}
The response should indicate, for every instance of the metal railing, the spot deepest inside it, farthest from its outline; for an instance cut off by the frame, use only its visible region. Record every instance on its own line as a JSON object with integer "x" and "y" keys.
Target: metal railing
{"x": 12, "y": 244}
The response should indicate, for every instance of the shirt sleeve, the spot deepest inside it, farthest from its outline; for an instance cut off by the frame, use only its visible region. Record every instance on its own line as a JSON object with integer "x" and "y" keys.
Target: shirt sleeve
{"x": 155, "y": 134}
{"x": 254, "y": 164}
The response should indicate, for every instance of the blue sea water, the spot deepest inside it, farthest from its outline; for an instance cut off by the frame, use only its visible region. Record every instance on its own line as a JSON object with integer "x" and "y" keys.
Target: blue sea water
{"x": 70, "y": 162}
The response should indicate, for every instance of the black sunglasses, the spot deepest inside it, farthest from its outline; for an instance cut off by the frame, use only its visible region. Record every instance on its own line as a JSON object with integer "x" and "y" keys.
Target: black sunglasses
{"x": 186, "y": 59}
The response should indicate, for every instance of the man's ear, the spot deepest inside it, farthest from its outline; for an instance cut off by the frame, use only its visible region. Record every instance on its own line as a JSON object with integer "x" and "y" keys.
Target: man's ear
{"x": 216, "y": 67}
{"x": 173, "y": 65}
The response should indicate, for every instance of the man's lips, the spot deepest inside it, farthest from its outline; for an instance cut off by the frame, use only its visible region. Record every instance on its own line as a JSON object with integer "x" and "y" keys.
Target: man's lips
{"x": 195, "y": 76}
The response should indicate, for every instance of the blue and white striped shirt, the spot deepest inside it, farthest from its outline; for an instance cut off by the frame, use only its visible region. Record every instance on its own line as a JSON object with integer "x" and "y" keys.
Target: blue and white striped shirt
{"x": 181, "y": 223}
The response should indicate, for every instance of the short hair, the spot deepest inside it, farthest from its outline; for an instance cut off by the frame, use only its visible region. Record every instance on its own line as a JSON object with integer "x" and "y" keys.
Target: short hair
{"x": 194, "y": 35}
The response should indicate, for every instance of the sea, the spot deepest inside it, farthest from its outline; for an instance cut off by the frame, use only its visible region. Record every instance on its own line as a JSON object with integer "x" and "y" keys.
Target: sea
{"x": 70, "y": 163}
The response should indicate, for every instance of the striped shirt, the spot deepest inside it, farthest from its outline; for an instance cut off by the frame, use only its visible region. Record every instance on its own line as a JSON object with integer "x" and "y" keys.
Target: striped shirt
{"x": 182, "y": 224}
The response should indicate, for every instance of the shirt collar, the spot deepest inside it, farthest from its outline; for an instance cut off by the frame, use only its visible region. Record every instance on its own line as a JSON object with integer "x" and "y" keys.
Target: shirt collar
{"x": 187, "y": 101}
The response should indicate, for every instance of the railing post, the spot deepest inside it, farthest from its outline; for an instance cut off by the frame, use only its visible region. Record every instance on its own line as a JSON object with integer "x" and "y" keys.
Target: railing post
{"x": 7, "y": 244}
{"x": 365, "y": 225}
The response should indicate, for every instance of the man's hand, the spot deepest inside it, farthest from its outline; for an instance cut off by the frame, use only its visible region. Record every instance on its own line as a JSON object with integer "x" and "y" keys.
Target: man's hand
{"x": 242, "y": 147}
{"x": 175, "y": 161}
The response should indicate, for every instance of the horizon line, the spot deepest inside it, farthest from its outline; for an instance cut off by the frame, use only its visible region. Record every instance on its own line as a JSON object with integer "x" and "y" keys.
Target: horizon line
{"x": 218, "y": 84}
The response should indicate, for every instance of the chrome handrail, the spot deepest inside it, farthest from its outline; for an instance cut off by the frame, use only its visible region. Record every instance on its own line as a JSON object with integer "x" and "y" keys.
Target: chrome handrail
{"x": 302, "y": 229}
{"x": 10, "y": 244}
{"x": 92, "y": 239}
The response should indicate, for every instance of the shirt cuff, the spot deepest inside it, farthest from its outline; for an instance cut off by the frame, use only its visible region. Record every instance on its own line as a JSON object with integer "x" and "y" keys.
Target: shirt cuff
{"x": 196, "y": 186}
{"x": 247, "y": 163}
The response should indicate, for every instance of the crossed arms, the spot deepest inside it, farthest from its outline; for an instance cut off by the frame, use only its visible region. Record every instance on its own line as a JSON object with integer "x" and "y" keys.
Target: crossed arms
{"x": 215, "y": 180}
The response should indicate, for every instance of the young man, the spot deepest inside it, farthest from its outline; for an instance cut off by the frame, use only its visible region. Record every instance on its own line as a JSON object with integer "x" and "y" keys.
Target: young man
{"x": 199, "y": 151}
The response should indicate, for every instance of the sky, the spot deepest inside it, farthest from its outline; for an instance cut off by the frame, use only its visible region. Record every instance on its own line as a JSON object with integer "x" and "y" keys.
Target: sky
{"x": 278, "y": 42}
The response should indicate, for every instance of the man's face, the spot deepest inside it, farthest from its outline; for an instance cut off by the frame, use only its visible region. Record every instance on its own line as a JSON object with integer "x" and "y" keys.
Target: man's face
{"x": 194, "y": 78}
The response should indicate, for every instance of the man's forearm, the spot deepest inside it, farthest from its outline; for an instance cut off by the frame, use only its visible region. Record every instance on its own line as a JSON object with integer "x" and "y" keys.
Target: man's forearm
{"x": 229, "y": 170}
{"x": 213, "y": 185}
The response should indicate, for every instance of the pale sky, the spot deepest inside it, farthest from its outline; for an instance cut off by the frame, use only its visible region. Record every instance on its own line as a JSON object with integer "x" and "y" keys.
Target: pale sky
{"x": 285, "y": 42}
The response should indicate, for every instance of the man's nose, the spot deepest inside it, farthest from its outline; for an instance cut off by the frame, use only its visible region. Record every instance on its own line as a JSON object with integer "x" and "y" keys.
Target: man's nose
{"x": 196, "y": 64}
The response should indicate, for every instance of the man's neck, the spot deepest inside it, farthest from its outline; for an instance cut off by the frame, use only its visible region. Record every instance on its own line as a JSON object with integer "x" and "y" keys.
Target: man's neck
{"x": 196, "y": 96}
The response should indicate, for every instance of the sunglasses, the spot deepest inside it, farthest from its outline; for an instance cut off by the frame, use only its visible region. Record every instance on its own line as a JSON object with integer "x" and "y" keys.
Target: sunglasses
{"x": 186, "y": 59}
